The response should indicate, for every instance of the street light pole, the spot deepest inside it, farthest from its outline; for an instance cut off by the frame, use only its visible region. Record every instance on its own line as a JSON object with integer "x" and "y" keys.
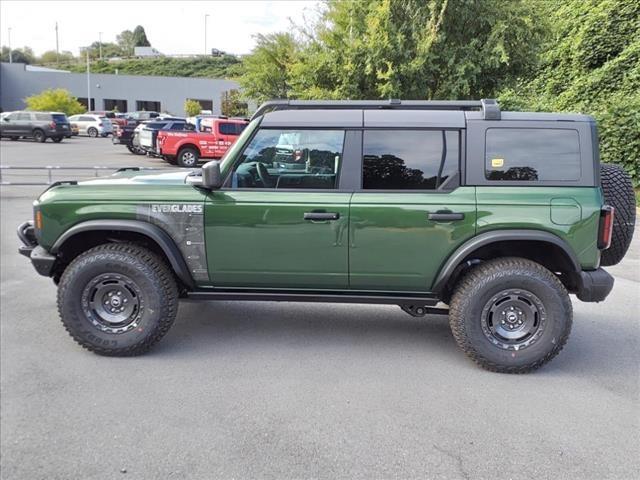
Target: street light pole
{"x": 88, "y": 83}
{"x": 205, "y": 33}
{"x": 57, "y": 48}
{"x": 100, "y": 42}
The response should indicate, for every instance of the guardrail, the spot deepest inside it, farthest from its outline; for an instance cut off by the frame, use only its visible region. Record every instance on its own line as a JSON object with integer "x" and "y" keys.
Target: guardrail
{"x": 50, "y": 170}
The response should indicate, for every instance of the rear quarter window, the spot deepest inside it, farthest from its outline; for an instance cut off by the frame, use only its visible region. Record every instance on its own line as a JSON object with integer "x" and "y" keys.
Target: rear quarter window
{"x": 532, "y": 154}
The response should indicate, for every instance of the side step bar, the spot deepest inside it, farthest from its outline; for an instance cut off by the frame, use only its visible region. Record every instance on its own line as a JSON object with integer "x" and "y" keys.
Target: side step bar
{"x": 324, "y": 297}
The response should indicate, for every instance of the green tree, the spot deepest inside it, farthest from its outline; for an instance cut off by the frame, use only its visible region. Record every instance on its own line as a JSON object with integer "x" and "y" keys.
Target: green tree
{"x": 267, "y": 69}
{"x": 140, "y": 37}
{"x": 413, "y": 49}
{"x": 50, "y": 56}
{"x": 192, "y": 107}
{"x": 232, "y": 104}
{"x": 18, "y": 55}
{"x": 591, "y": 64}
{"x": 55, "y": 100}
{"x": 126, "y": 42}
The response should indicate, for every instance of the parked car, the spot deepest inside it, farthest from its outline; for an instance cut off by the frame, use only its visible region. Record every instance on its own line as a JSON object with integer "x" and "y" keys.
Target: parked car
{"x": 114, "y": 117}
{"x": 36, "y": 125}
{"x": 453, "y": 208}
{"x": 92, "y": 125}
{"x": 148, "y": 133}
{"x": 141, "y": 116}
{"x": 187, "y": 148}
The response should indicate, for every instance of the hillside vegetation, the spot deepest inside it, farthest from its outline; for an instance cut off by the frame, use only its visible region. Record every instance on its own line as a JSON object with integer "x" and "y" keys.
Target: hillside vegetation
{"x": 226, "y": 66}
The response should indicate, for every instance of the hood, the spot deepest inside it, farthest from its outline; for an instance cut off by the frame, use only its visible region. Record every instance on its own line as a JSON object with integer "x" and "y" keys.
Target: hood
{"x": 137, "y": 177}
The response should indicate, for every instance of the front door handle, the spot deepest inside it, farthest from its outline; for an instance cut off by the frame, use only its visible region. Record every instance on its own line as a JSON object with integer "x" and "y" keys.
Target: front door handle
{"x": 314, "y": 216}
{"x": 445, "y": 216}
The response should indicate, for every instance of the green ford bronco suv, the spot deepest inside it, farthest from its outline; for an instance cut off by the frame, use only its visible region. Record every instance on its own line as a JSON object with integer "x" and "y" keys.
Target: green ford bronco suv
{"x": 451, "y": 207}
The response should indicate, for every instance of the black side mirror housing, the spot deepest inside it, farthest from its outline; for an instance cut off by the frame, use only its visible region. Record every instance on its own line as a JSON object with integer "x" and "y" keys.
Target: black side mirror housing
{"x": 211, "y": 176}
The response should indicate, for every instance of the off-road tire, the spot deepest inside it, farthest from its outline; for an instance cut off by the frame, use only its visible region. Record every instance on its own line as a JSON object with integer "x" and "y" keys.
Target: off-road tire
{"x": 618, "y": 193}
{"x": 92, "y": 132}
{"x": 184, "y": 159}
{"x": 481, "y": 285}
{"x": 39, "y": 136}
{"x": 157, "y": 297}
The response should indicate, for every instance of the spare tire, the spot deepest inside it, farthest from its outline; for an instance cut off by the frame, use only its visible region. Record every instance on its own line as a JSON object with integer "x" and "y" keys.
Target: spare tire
{"x": 618, "y": 192}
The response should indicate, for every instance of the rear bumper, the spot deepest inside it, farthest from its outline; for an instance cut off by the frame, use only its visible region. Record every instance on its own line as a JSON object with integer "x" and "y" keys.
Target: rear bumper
{"x": 595, "y": 285}
{"x": 42, "y": 260}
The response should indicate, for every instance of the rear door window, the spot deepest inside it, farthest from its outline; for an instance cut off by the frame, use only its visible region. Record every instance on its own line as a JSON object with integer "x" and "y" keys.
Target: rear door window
{"x": 409, "y": 159}
{"x": 532, "y": 154}
{"x": 43, "y": 117}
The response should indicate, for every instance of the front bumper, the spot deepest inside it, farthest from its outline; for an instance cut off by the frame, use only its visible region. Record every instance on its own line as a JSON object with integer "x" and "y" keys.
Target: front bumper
{"x": 42, "y": 260}
{"x": 594, "y": 285}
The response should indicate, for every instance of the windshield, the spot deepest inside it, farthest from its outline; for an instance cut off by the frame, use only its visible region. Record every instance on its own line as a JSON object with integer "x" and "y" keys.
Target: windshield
{"x": 239, "y": 144}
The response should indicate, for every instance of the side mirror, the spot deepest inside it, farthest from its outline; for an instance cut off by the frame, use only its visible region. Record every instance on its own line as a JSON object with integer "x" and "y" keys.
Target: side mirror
{"x": 211, "y": 176}
{"x": 6, "y": 119}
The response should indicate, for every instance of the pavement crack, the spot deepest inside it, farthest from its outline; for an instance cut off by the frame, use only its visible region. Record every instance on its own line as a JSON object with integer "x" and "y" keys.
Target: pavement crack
{"x": 458, "y": 459}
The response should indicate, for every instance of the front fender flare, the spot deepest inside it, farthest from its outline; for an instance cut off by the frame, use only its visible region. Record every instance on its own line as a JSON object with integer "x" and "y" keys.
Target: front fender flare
{"x": 155, "y": 233}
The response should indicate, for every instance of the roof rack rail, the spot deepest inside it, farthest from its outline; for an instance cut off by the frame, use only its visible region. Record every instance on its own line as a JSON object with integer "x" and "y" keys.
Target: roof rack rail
{"x": 489, "y": 107}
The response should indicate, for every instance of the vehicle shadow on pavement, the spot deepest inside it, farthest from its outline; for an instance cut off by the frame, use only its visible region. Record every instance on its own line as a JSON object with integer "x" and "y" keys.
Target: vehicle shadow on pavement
{"x": 211, "y": 325}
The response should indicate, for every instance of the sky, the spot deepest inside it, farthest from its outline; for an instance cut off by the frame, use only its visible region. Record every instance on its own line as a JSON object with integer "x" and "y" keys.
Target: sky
{"x": 172, "y": 27}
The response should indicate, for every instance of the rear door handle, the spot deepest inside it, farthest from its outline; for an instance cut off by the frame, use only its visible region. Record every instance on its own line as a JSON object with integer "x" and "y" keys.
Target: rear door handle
{"x": 321, "y": 216}
{"x": 445, "y": 216}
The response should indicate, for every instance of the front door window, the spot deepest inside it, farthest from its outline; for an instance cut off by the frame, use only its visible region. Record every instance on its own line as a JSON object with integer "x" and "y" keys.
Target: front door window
{"x": 285, "y": 159}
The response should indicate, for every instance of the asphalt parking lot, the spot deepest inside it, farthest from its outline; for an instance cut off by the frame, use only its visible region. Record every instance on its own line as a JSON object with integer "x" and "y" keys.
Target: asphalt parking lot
{"x": 276, "y": 390}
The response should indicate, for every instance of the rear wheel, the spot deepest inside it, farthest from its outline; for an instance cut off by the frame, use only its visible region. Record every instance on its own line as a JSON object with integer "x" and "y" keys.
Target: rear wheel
{"x": 135, "y": 150}
{"x": 188, "y": 157}
{"x": 57, "y": 139}
{"x": 117, "y": 299}
{"x": 92, "y": 132}
{"x": 618, "y": 192}
{"x": 39, "y": 136}
{"x": 13, "y": 139}
{"x": 510, "y": 315}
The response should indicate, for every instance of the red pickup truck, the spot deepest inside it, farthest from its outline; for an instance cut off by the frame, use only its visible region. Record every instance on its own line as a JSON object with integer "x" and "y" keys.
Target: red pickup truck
{"x": 185, "y": 148}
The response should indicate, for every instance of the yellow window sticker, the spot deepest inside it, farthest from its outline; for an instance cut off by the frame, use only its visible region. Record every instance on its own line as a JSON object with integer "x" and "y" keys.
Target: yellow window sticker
{"x": 497, "y": 162}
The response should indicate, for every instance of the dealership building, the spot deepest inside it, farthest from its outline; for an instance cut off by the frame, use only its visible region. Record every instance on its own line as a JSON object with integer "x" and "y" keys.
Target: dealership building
{"x": 109, "y": 91}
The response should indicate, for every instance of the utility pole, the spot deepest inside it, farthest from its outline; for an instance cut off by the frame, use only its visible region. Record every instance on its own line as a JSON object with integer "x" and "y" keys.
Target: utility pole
{"x": 57, "y": 47}
{"x": 205, "y": 33}
{"x": 100, "y": 42}
{"x": 10, "y": 54}
{"x": 88, "y": 83}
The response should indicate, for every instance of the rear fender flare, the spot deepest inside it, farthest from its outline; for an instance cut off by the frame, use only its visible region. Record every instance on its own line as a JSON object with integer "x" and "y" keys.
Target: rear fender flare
{"x": 487, "y": 238}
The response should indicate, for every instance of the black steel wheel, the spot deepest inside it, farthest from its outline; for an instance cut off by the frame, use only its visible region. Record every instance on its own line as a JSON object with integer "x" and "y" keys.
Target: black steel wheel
{"x": 117, "y": 299}
{"x": 513, "y": 319}
{"x": 510, "y": 315}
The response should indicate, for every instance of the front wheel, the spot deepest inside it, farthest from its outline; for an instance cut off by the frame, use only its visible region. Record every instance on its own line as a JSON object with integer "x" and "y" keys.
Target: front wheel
{"x": 188, "y": 157}
{"x": 92, "y": 132}
{"x": 117, "y": 299}
{"x": 510, "y": 315}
